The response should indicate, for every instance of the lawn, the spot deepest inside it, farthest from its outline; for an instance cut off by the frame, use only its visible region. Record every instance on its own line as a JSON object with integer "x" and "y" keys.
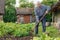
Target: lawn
{"x": 54, "y": 34}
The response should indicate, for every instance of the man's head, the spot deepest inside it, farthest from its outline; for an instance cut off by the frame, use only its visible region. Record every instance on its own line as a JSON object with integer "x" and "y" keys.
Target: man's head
{"x": 38, "y": 4}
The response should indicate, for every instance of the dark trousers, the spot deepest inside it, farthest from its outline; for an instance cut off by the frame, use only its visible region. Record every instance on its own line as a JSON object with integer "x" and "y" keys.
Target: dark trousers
{"x": 43, "y": 25}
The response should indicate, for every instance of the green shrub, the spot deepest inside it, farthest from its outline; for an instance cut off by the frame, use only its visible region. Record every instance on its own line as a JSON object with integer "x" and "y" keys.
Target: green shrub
{"x": 14, "y": 29}
{"x": 10, "y": 14}
{"x": 49, "y": 18}
{"x": 26, "y": 4}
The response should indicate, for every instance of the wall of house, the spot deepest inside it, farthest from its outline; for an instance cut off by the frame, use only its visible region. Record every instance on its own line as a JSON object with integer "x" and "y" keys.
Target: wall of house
{"x": 2, "y": 6}
{"x": 18, "y": 18}
{"x": 1, "y": 17}
{"x": 57, "y": 20}
{"x": 31, "y": 18}
{"x": 24, "y": 18}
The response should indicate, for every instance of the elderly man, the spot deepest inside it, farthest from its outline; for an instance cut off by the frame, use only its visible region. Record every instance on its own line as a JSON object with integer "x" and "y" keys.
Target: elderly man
{"x": 40, "y": 10}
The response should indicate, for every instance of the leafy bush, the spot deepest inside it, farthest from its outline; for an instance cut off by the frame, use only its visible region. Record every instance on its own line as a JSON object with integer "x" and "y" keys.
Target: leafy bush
{"x": 49, "y": 18}
{"x": 10, "y": 14}
{"x": 14, "y": 29}
{"x": 26, "y": 5}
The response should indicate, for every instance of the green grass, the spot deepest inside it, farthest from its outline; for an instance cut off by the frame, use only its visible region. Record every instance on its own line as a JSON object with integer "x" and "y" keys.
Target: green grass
{"x": 54, "y": 34}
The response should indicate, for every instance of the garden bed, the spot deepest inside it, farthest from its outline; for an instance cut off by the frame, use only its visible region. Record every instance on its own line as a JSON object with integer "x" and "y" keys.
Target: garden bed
{"x": 13, "y": 31}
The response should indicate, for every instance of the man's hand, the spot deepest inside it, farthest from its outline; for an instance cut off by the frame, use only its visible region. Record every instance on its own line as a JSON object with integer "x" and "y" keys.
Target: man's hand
{"x": 46, "y": 12}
